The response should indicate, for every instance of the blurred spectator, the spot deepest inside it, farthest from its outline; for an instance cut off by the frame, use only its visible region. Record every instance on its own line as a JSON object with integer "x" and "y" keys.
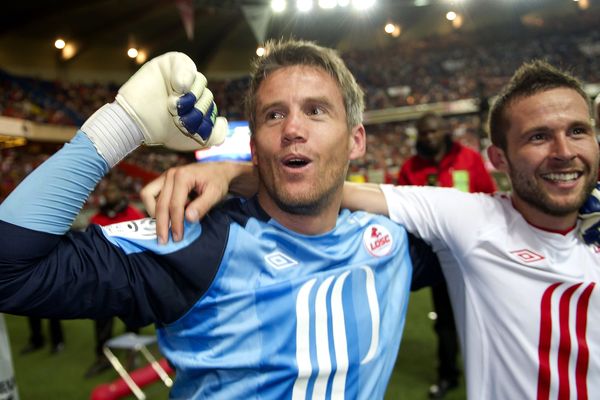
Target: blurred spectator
{"x": 114, "y": 208}
{"x": 36, "y": 336}
{"x": 442, "y": 162}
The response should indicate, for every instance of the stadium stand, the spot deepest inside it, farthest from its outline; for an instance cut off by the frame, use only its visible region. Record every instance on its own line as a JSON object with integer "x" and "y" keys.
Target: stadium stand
{"x": 434, "y": 70}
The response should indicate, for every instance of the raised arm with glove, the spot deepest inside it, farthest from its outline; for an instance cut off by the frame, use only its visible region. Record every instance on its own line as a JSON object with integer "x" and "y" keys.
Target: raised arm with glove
{"x": 165, "y": 102}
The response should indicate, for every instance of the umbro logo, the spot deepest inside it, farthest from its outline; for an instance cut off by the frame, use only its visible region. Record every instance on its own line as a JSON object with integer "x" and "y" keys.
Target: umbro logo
{"x": 278, "y": 260}
{"x": 527, "y": 256}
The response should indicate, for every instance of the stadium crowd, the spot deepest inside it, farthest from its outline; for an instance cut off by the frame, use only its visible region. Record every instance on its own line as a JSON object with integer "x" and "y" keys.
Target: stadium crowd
{"x": 428, "y": 71}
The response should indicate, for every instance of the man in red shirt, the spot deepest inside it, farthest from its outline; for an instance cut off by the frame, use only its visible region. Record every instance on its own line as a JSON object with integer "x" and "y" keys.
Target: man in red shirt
{"x": 114, "y": 208}
{"x": 440, "y": 161}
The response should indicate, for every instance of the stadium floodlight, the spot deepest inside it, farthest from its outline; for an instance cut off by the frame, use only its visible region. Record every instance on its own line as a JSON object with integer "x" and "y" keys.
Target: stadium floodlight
{"x": 343, "y": 3}
{"x": 132, "y": 52}
{"x": 141, "y": 57}
{"x": 457, "y": 22}
{"x": 304, "y": 5}
{"x": 278, "y": 5}
{"x": 363, "y": 4}
{"x": 69, "y": 51}
{"x": 59, "y": 44}
{"x": 421, "y": 3}
{"x": 450, "y": 15}
{"x": 327, "y": 4}
{"x": 583, "y": 4}
{"x": 260, "y": 51}
{"x": 392, "y": 29}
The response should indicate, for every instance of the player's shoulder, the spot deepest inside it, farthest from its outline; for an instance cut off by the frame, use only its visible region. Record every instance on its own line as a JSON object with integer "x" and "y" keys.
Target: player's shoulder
{"x": 239, "y": 210}
{"x": 379, "y": 235}
{"x": 361, "y": 220}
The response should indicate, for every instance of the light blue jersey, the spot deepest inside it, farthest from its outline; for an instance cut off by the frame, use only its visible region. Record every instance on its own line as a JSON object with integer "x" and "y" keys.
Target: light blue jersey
{"x": 290, "y": 316}
{"x": 244, "y": 307}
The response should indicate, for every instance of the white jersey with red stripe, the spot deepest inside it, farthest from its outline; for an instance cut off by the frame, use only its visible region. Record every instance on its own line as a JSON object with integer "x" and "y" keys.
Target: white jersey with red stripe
{"x": 526, "y": 301}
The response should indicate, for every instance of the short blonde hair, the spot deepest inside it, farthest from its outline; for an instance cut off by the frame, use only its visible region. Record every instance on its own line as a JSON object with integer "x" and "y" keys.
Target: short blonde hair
{"x": 289, "y": 53}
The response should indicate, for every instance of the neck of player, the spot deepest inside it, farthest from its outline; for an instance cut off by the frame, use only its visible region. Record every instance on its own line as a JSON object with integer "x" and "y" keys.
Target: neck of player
{"x": 319, "y": 222}
{"x": 544, "y": 220}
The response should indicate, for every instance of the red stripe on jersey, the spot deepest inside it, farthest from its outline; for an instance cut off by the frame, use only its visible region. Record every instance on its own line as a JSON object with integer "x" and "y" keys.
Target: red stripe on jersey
{"x": 564, "y": 346}
{"x": 543, "y": 392}
{"x": 583, "y": 356}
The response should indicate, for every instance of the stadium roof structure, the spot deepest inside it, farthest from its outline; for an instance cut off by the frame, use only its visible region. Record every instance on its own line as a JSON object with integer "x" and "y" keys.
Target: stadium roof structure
{"x": 232, "y": 29}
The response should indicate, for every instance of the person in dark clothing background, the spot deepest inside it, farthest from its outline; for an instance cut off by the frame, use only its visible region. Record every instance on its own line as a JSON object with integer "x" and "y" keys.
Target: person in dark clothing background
{"x": 114, "y": 208}
{"x": 37, "y": 340}
{"x": 440, "y": 161}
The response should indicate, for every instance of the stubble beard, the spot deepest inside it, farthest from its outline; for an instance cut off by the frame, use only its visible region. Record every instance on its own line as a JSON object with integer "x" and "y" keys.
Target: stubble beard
{"x": 309, "y": 203}
{"x": 531, "y": 192}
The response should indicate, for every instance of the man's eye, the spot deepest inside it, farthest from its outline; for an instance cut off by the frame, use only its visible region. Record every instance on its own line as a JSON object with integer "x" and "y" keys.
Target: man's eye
{"x": 580, "y": 131}
{"x": 537, "y": 137}
{"x": 316, "y": 111}
{"x": 275, "y": 115}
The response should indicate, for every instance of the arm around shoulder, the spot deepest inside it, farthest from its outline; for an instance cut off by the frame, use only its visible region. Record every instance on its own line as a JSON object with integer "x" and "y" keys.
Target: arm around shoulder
{"x": 364, "y": 196}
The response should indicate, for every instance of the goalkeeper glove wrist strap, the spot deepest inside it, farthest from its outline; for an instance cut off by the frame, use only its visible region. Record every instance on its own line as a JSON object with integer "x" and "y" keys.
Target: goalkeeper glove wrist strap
{"x": 113, "y": 132}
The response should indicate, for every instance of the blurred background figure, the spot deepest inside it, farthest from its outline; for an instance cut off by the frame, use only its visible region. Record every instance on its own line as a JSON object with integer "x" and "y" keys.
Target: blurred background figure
{"x": 37, "y": 340}
{"x": 440, "y": 161}
{"x": 8, "y": 386}
{"x": 114, "y": 207}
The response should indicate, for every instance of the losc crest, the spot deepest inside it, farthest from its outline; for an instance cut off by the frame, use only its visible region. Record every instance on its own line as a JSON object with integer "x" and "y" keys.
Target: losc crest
{"x": 378, "y": 240}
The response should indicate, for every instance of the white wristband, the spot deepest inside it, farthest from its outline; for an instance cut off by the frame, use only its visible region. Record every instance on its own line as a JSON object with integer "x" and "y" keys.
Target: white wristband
{"x": 113, "y": 132}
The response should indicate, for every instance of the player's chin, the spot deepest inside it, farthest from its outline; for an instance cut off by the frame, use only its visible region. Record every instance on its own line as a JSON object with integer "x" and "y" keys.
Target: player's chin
{"x": 563, "y": 205}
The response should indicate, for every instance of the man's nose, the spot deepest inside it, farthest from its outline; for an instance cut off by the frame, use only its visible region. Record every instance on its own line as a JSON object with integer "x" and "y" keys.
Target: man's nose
{"x": 294, "y": 128}
{"x": 562, "y": 148}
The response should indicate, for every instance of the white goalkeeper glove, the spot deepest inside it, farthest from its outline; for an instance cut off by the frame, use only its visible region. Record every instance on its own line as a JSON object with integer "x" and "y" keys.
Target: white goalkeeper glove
{"x": 589, "y": 214}
{"x": 169, "y": 103}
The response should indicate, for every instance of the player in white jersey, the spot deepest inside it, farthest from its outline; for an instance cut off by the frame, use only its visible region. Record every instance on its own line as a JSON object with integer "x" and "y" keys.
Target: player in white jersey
{"x": 521, "y": 280}
{"x": 522, "y": 283}
{"x": 523, "y": 296}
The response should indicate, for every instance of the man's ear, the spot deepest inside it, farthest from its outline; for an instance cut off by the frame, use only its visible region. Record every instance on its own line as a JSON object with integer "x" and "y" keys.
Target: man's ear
{"x": 498, "y": 158}
{"x": 358, "y": 142}
{"x": 253, "y": 151}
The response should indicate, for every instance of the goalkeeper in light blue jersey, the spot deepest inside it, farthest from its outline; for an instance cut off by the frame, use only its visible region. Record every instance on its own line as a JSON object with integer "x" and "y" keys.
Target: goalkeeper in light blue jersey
{"x": 282, "y": 296}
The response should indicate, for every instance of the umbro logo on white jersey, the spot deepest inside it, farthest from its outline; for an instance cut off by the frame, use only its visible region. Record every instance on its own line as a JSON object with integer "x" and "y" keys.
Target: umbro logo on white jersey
{"x": 278, "y": 260}
{"x": 527, "y": 256}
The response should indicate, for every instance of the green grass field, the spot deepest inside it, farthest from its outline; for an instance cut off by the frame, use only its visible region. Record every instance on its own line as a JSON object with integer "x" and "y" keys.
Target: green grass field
{"x": 42, "y": 376}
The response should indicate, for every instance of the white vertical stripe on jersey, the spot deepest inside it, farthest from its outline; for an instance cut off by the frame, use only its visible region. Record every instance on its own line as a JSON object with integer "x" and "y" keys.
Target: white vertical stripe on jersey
{"x": 303, "y": 341}
{"x": 340, "y": 343}
{"x": 374, "y": 308}
{"x": 322, "y": 340}
{"x": 322, "y": 336}
{"x": 574, "y": 305}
